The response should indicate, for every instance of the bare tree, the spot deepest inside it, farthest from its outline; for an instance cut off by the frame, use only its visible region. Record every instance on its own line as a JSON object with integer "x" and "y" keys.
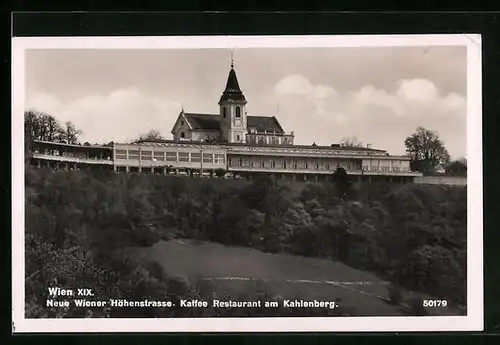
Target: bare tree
{"x": 153, "y": 134}
{"x": 43, "y": 126}
{"x": 70, "y": 134}
{"x": 351, "y": 142}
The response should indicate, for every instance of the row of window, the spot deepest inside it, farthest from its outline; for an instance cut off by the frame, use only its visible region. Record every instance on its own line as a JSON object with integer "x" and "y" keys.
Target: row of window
{"x": 290, "y": 164}
{"x": 261, "y": 140}
{"x": 385, "y": 169}
{"x": 195, "y": 157}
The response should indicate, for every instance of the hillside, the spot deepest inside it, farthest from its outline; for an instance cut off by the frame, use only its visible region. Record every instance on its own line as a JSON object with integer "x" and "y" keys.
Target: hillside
{"x": 237, "y": 270}
{"x": 412, "y": 236}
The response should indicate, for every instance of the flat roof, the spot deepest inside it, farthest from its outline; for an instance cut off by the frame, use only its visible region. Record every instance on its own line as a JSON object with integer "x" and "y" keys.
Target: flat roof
{"x": 53, "y": 143}
{"x": 318, "y": 147}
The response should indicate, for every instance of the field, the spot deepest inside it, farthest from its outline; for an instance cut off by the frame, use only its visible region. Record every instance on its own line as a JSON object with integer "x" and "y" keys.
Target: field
{"x": 236, "y": 270}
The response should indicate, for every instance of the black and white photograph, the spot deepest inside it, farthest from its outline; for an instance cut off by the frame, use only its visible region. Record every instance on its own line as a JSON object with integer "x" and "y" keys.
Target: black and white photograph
{"x": 247, "y": 183}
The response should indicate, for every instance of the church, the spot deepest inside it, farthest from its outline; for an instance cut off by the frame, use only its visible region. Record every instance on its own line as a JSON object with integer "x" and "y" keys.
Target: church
{"x": 233, "y": 142}
{"x": 232, "y": 124}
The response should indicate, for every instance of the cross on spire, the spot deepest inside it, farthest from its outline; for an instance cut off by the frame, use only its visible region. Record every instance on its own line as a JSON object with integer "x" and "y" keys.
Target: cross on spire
{"x": 232, "y": 60}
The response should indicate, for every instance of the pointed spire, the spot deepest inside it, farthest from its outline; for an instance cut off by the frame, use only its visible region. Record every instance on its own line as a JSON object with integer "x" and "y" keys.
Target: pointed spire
{"x": 232, "y": 91}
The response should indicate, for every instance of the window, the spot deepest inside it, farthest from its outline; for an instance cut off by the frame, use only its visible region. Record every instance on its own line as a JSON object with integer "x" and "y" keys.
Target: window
{"x": 183, "y": 156}
{"x": 219, "y": 158}
{"x": 146, "y": 155}
{"x": 158, "y": 156}
{"x": 208, "y": 158}
{"x": 237, "y": 137}
{"x": 224, "y": 112}
{"x": 182, "y": 122}
{"x": 196, "y": 157}
{"x": 133, "y": 154}
{"x": 171, "y": 156}
{"x": 183, "y": 135}
{"x": 121, "y": 154}
{"x": 238, "y": 112}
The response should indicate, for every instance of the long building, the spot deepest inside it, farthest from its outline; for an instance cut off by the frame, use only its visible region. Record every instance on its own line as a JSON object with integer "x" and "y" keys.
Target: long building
{"x": 231, "y": 141}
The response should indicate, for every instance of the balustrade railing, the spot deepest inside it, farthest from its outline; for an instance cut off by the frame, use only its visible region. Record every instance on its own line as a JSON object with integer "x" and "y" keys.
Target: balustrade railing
{"x": 74, "y": 159}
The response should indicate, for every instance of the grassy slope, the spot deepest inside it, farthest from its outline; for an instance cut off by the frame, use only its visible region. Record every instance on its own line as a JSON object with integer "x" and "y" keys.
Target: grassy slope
{"x": 178, "y": 258}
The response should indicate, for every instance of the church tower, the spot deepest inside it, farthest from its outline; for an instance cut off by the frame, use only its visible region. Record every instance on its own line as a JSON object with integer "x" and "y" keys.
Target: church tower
{"x": 233, "y": 115}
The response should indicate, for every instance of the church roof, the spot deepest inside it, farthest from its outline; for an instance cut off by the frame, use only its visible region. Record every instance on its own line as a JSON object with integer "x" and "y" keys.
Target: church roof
{"x": 232, "y": 91}
{"x": 210, "y": 122}
{"x": 207, "y": 122}
{"x": 264, "y": 123}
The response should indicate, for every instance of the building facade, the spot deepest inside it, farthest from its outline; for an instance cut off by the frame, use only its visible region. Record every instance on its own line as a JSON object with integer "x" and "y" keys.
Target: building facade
{"x": 231, "y": 141}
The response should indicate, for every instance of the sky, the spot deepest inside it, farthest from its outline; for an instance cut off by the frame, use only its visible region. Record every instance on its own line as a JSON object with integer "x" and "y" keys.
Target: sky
{"x": 379, "y": 95}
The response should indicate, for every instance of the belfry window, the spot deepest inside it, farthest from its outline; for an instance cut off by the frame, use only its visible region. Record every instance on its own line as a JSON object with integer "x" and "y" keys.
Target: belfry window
{"x": 238, "y": 112}
{"x": 182, "y": 135}
{"x": 224, "y": 112}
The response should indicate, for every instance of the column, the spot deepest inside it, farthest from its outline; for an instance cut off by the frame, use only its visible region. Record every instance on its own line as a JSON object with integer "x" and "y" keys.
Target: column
{"x": 127, "y": 169}
{"x": 152, "y": 170}
{"x": 38, "y": 164}
{"x": 177, "y": 171}
{"x": 316, "y": 178}
{"x": 140, "y": 169}
{"x": 164, "y": 171}
{"x": 114, "y": 168}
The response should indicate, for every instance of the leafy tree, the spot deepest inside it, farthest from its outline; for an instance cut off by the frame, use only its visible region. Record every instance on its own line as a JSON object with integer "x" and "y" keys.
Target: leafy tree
{"x": 220, "y": 172}
{"x": 435, "y": 268}
{"x": 456, "y": 168}
{"x": 426, "y": 150}
{"x": 341, "y": 181}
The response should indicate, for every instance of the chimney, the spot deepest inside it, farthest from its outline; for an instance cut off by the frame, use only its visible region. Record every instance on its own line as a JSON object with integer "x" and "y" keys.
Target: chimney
{"x": 292, "y": 132}
{"x": 368, "y": 146}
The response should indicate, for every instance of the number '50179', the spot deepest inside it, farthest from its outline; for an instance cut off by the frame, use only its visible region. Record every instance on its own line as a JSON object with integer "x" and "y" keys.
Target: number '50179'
{"x": 434, "y": 303}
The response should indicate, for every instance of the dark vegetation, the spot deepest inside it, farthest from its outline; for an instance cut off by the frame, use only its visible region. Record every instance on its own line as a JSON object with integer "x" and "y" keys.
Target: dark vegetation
{"x": 76, "y": 223}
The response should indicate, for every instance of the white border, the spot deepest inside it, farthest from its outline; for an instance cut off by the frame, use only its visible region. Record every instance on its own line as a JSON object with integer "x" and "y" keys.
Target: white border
{"x": 472, "y": 322}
